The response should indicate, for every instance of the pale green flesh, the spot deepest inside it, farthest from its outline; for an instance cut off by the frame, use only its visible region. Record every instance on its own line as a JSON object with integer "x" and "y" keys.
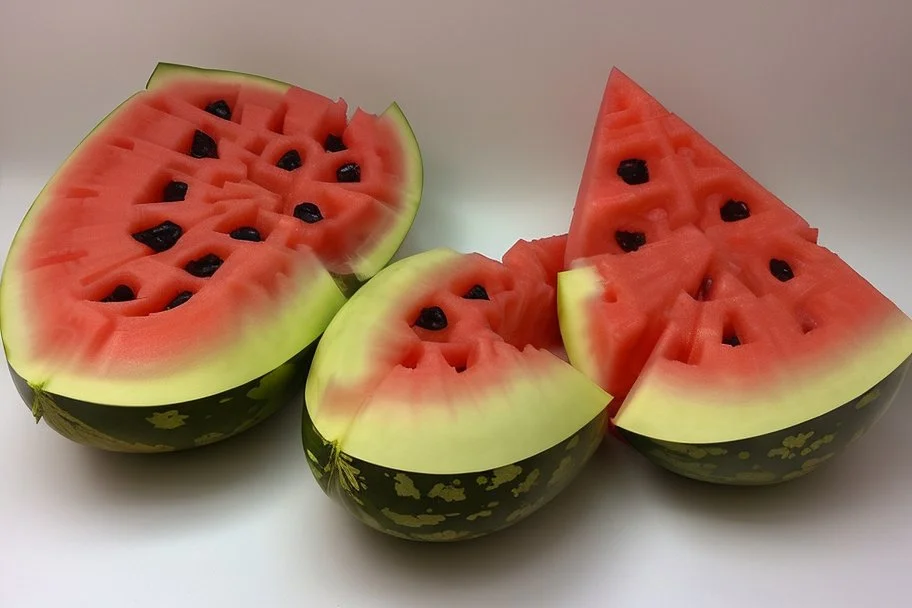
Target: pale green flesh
{"x": 670, "y": 404}
{"x": 575, "y": 288}
{"x": 535, "y": 401}
{"x": 165, "y": 73}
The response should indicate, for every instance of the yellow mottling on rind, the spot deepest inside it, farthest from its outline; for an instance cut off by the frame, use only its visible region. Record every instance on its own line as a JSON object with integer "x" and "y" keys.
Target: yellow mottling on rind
{"x": 562, "y": 472}
{"x": 448, "y": 492}
{"x": 693, "y": 451}
{"x": 690, "y": 467}
{"x": 525, "y": 510}
{"x": 818, "y": 444}
{"x": 208, "y": 438}
{"x": 169, "y": 420}
{"x": 527, "y": 484}
{"x": 76, "y": 430}
{"x": 481, "y": 480}
{"x": 484, "y": 513}
{"x": 744, "y": 455}
{"x": 797, "y": 441}
{"x": 504, "y": 475}
{"x": 412, "y": 521}
{"x": 807, "y": 466}
{"x": 442, "y": 536}
{"x": 405, "y": 487}
{"x": 493, "y": 504}
{"x": 573, "y": 442}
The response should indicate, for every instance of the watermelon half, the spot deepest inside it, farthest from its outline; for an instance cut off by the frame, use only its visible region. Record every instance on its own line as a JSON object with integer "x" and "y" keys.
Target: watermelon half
{"x": 440, "y": 405}
{"x": 738, "y": 349}
{"x": 167, "y": 287}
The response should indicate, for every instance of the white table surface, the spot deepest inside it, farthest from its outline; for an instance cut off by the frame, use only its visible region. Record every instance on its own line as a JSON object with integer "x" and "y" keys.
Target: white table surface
{"x": 813, "y": 97}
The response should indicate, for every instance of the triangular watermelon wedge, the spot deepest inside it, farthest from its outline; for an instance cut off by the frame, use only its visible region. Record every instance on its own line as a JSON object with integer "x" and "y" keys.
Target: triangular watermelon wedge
{"x": 737, "y": 348}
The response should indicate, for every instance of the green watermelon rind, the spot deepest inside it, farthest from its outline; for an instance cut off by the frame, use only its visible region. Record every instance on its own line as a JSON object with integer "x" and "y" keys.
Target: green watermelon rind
{"x": 169, "y": 427}
{"x": 780, "y": 456}
{"x": 536, "y": 399}
{"x": 454, "y": 506}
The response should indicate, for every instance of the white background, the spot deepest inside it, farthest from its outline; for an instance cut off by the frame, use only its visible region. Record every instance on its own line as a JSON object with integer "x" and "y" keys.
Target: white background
{"x": 813, "y": 97}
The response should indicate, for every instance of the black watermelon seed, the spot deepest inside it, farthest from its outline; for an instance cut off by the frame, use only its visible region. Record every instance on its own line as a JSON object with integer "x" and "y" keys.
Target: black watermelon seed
{"x": 629, "y": 241}
{"x": 179, "y": 299}
{"x": 219, "y": 108}
{"x": 781, "y": 270}
{"x": 174, "y": 191}
{"x": 633, "y": 171}
{"x": 308, "y": 212}
{"x": 290, "y": 161}
{"x": 734, "y": 211}
{"x": 204, "y": 266}
{"x": 246, "y": 233}
{"x": 160, "y": 238}
{"x": 477, "y": 293}
{"x": 705, "y": 287}
{"x": 121, "y": 293}
{"x": 333, "y": 143}
{"x": 349, "y": 173}
{"x": 432, "y": 318}
{"x": 731, "y": 340}
{"x": 203, "y": 146}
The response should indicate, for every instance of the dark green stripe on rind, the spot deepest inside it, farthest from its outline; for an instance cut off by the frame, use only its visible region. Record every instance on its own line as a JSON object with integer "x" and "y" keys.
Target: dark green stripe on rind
{"x": 426, "y": 507}
{"x": 169, "y": 427}
{"x": 780, "y": 456}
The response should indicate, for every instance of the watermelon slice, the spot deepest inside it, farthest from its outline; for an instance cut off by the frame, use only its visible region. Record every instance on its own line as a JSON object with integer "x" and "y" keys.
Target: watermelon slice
{"x": 737, "y": 348}
{"x": 167, "y": 287}
{"x": 440, "y": 405}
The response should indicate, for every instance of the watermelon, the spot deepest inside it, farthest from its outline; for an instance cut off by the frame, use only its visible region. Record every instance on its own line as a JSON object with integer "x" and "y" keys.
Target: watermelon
{"x": 737, "y": 348}
{"x": 167, "y": 287}
{"x": 440, "y": 405}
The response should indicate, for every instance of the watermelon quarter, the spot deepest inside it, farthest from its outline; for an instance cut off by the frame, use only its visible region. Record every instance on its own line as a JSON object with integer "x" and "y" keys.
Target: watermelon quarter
{"x": 738, "y": 349}
{"x": 440, "y": 405}
{"x": 168, "y": 285}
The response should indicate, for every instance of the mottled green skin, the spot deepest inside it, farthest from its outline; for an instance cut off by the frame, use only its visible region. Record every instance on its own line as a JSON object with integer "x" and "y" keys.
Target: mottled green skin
{"x": 169, "y": 427}
{"x": 423, "y": 507}
{"x": 780, "y": 456}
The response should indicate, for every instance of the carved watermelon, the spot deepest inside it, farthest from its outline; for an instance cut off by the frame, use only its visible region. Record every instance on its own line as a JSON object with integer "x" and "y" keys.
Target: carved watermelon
{"x": 167, "y": 287}
{"x": 440, "y": 405}
{"x": 738, "y": 349}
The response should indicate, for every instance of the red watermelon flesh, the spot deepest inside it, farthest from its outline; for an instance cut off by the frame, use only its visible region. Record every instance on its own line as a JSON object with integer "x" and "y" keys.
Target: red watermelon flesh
{"x": 193, "y": 218}
{"x": 698, "y": 299}
{"x": 456, "y": 360}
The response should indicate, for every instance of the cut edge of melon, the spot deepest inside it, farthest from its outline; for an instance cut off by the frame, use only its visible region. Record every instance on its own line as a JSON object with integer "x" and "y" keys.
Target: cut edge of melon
{"x": 382, "y": 251}
{"x": 538, "y": 403}
{"x": 661, "y": 406}
{"x": 576, "y": 289}
{"x": 166, "y": 73}
{"x": 495, "y": 426}
{"x": 384, "y": 292}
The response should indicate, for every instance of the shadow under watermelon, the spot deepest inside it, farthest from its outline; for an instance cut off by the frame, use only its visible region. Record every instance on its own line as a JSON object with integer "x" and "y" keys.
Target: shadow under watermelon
{"x": 870, "y": 475}
{"x": 198, "y": 484}
{"x": 582, "y": 519}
